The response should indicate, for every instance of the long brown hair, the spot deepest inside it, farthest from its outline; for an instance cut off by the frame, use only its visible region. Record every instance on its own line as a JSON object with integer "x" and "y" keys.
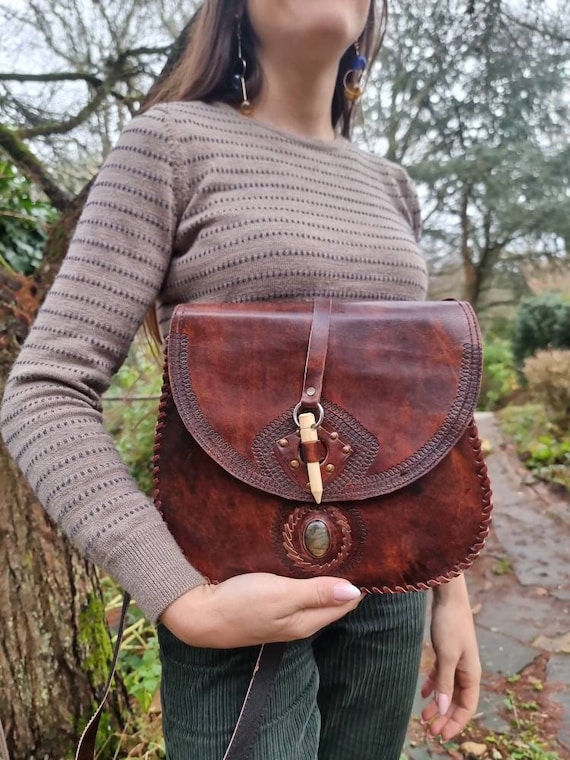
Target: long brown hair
{"x": 204, "y": 61}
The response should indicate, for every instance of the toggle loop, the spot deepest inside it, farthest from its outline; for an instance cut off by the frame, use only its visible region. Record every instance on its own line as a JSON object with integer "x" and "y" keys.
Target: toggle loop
{"x": 319, "y": 421}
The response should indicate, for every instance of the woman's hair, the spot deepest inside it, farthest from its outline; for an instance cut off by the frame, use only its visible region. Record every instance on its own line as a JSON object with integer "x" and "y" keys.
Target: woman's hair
{"x": 203, "y": 64}
{"x": 204, "y": 61}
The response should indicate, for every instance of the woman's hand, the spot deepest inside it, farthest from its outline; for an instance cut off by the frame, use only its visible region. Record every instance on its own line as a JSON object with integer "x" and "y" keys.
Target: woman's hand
{"x": 456, "y": 675}
{"x": 258, "y": 608}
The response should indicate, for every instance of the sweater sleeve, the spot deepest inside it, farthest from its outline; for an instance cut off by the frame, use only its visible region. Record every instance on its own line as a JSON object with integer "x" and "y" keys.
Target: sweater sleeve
{"x": 52, "y": 413}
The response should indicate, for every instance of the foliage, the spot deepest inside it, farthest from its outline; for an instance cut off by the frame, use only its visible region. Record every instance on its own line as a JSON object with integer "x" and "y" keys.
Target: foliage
{"x": 130, "y": 416}
{"x": 526, "y": 744}
{"x": 131, "y": 405}
{"x": 23, "y": 222}
{"x": 548, "y": 380}
{"x": 542, "y": 321}
{"x": 139, "y": 668}
{"x": 499, "y": 376}
{"x": 473, "y": 106}
{"x": 541, "y": 444}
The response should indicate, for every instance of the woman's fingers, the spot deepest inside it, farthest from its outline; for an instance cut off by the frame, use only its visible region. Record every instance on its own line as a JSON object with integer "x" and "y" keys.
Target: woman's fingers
{"x": 258, "y": 608}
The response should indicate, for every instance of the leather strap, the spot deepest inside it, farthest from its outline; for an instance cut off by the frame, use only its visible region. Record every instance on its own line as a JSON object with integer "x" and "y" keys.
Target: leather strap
{"x": 86, "y": 745}
{"x": 316, "y": 354}
{"x": 255, "y": 702}
{"x": 314, "y": 451}
{"x": 250, "y": 716}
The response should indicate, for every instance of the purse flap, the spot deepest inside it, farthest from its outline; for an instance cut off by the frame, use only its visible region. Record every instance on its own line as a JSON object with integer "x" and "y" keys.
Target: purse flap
{"x": 400, "y": 386}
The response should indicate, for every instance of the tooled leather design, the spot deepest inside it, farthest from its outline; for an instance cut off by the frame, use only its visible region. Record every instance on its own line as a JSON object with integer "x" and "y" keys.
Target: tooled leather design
{"x": 433, "y": 451}
{"x": 267, "y": 476}
{"x": 363, "y": 444}
{"x": 329, "y": 451}
{"x": 210, "y": 440}
{"x": 479, "y": 542}
{"x": 341, "y": 539}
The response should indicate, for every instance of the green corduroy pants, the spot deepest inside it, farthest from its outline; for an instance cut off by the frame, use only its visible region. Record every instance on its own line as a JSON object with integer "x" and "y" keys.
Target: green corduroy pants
{"x": 346, "y": 692}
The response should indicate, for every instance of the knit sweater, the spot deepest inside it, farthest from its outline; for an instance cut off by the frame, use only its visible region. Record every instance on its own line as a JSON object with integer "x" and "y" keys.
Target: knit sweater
{"x": 196, "y": 202}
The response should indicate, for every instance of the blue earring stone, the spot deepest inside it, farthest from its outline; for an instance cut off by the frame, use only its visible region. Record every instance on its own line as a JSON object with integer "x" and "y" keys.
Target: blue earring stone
{"x": 359, "y": 63}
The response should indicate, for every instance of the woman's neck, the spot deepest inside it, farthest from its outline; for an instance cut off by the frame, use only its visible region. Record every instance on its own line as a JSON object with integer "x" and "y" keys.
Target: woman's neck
{"x": 296, "y": 100}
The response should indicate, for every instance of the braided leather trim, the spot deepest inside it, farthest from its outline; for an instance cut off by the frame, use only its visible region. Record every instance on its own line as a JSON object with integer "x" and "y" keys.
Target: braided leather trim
{"x": 164, "y": 406}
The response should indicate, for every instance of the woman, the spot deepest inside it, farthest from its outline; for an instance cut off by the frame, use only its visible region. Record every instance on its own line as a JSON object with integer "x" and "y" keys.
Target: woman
{"x": 239, "y": 183}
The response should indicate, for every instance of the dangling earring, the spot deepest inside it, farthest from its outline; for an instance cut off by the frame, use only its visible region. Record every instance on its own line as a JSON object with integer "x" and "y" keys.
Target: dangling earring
{"x": 239, "y": 79}
{"x": 352, "y": 78}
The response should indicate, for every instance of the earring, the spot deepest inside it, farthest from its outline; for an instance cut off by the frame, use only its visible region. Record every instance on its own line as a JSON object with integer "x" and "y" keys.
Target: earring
{"x": 239, "y": 79}
{"x": 352, "y": 78}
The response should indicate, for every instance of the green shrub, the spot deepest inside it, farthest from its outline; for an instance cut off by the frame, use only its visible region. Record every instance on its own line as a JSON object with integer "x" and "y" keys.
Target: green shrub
{"x": 24, "y": 221}
{"x": 499, "y": 375}
{"x": 540, "y": 442}
{"x": 541, "y": 322}
{"x": 548, "y": 380}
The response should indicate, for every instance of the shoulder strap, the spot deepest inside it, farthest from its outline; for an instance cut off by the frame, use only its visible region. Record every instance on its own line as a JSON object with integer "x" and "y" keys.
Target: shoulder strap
{"x": 250, "y": 715}
{"x": 255, "y": 701}
{"x": 86, "y": 746}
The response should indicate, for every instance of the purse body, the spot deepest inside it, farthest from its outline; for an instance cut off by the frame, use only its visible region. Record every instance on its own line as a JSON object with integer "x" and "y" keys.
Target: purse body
{"x": 406, "y": 499}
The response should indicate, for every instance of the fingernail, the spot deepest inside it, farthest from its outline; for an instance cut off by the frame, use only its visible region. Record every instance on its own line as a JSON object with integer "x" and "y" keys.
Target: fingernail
{"x": 443, "y": 703}
{"x": 345, "y": 592}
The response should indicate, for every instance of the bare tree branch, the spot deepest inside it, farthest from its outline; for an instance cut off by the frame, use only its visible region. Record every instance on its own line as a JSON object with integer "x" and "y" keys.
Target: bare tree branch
{"x": 146, "y": 50}
{"x": 63, "y": 76}
{"x": 541, "y": 29}
{"x": 61, "y": 127}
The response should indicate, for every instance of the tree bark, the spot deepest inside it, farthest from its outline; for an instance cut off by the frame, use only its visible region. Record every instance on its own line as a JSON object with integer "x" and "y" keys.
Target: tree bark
{"x": 54, "y": 643}
{"x": 470, "y": 274}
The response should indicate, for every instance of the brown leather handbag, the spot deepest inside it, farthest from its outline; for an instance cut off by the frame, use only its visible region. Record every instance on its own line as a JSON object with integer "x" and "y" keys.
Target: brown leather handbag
{"x": 331, "y": 437}
{"x": 268, "y": 409}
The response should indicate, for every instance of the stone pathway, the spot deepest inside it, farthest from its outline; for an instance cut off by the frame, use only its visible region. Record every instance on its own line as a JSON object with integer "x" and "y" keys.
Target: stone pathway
{"x": 520, "y": 593}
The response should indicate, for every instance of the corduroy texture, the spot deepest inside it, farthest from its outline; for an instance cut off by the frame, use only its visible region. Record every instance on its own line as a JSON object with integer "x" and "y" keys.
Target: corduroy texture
{"x": 195, "y": 202}
{"x": 345, "y": 694}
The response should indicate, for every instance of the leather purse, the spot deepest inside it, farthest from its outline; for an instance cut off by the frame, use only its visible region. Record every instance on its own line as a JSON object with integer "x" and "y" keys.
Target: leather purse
{"x": 331, "y": 437}
{"x": 389, "y": 390}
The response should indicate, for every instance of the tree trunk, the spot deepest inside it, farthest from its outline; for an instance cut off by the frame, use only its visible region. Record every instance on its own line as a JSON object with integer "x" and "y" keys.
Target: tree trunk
{"x": 54, "y": 644}
{"x": 470, "y": 273}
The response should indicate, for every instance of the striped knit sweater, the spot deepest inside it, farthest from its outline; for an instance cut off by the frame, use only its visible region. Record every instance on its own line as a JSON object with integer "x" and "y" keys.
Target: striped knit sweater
{"x": 195, "y": 202}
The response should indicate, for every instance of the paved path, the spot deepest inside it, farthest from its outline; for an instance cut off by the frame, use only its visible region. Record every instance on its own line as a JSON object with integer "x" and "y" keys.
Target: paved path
{"x": 520, "y": 591}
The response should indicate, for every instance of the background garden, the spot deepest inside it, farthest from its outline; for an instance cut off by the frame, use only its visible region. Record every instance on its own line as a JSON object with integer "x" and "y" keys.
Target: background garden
{"x": 471, "y": 97}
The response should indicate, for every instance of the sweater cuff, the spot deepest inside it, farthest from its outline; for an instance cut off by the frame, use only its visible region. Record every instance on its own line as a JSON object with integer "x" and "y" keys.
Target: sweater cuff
{"x": 150, "y": 566}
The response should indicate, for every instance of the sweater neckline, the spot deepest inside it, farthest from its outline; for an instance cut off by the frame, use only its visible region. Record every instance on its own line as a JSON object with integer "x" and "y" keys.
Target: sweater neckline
{"x": 338, "y": 143}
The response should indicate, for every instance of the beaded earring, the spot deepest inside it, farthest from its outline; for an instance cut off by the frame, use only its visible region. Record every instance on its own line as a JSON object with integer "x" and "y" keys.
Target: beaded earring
{"x": 352, "y": 78}
{"x": 239, "y": 79}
